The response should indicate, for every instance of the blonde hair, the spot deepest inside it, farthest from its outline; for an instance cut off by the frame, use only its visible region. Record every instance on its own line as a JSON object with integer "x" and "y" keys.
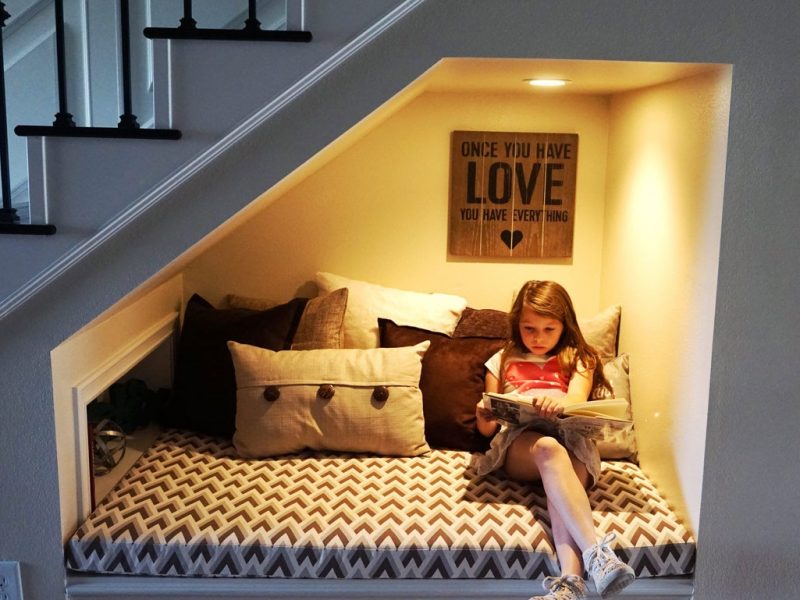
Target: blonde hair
{"x": 549, "y": 299}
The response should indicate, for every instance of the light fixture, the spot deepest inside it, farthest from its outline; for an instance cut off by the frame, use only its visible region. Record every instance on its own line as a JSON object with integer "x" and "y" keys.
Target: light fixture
{"x": 547, "y": 82}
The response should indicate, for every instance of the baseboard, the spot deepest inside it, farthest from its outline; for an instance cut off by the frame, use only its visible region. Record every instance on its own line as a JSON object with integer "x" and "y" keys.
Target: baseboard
{"x": 108, "y": 587}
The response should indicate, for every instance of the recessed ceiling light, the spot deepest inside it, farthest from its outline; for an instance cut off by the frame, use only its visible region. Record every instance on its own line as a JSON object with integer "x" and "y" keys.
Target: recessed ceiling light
{"x": 547, "y": 82}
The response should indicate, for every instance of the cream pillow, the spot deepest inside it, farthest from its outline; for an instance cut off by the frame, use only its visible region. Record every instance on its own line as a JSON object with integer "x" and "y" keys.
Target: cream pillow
{"x": 345, "y": 400}
{"x": 619, "y": 443}
{"x": 602, "y": 331}
{"x": 368, "y": 301}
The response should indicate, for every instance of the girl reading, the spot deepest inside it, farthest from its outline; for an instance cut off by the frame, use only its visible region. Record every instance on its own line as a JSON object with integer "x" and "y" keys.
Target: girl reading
{"x": 548, "y": 359}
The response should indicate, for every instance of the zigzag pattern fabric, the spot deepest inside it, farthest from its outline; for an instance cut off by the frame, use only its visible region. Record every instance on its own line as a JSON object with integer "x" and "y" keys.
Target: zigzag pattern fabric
{"x": 191, "y": 507}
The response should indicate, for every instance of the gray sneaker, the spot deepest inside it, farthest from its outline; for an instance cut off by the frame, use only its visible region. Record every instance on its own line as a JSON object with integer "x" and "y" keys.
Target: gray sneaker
{"x": 609, "y": 573}
{"x": 566, "y": 587}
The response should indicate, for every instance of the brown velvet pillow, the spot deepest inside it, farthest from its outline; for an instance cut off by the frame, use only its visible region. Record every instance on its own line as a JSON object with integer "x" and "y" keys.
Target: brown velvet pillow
{"x": 452, "y": 382}
{"x": 600, "y": 330}
{"x": 205, "y": 383}
{"x": 483, "y": 322}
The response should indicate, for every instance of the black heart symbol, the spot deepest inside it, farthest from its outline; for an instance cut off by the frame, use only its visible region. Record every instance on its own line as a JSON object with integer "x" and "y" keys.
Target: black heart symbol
{"x": 510, "y": 238}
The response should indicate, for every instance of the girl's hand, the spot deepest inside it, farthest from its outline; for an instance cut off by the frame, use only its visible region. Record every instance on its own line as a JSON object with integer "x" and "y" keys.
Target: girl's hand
{"x": 487, "y": 424}
{"x": 547, "y": 407}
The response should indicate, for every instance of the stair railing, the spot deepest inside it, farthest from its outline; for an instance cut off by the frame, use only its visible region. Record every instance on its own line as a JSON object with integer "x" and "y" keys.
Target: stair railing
{"x": 63, "y": 116}
{"x": 128, "y": 126}
{"x": 9, "y": 220}
{"x": 188, "y": 30}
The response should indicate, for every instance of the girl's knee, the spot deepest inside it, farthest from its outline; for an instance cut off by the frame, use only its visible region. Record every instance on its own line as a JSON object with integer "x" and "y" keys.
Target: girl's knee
{"x": 548, "y": 448}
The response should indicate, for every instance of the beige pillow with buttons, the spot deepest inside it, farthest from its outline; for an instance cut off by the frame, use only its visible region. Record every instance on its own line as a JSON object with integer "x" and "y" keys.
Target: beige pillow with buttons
{"x": 350, "y": 400}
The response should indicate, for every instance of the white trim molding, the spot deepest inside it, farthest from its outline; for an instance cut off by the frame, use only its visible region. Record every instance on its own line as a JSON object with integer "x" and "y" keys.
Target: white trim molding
{"x": 190, "y": 588}
{"x": 101, "y": 379}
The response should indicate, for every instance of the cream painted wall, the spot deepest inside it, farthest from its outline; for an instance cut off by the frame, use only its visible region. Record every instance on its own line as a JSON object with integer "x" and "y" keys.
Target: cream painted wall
{"x": 378, "y": 210}
{"x": 666, "y": 169}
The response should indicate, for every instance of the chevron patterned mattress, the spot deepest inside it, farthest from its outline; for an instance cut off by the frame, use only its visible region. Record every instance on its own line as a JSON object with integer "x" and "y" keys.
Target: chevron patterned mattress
{"x": 191, "y": 507}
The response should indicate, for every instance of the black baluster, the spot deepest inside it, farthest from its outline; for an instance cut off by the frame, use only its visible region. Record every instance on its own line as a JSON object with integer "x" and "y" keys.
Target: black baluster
{"x": 9, "y": 220}
{"x": 8, "y": 214}
{"x": 252, "y": 24}
{"x": 251, "y": 31}
{"x": 187, "y": 22}
{"x": 63, "y": 116}
{"x": 127, "y": 128}
{"x": 127, "y": 120}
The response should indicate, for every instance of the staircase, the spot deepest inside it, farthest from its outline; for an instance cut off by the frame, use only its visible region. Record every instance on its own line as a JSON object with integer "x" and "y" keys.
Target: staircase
{"x": 208, "y": 88}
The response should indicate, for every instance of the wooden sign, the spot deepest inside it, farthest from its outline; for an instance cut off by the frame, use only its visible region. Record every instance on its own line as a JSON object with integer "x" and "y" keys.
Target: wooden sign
{"x": 512, "y": 195}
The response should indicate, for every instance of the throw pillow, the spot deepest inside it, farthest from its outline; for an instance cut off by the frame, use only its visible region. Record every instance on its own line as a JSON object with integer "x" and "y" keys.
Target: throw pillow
{"x": 205, "y": 386}
{"x": 322, "y": 323}
{"x": 600, "y": 330}
{"x": 344, "y": 400}
{"x": 368, "y": 301}
{"x": 237, "y": 301}
{"x": 452, "y": 383}
{"x": 621, "y": 444}
{"x": 483, "y": 322}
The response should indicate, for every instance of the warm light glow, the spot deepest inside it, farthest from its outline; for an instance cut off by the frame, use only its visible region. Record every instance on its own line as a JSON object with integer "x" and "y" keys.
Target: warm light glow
{"x": 547, "y": 82}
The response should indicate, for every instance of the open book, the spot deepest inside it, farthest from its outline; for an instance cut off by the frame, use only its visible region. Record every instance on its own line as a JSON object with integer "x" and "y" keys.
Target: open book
{"x": 516, "y": 409}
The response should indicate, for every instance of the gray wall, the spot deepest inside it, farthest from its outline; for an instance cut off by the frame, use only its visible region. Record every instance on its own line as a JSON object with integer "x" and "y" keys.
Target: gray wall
{"x": 750, "y": 514}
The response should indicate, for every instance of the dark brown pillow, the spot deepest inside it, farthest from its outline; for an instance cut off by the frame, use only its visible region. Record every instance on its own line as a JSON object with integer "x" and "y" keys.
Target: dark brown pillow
{"x": 452, "y": 382}
{"x": 205, "y": 383}
{"x": 483, "y": 322}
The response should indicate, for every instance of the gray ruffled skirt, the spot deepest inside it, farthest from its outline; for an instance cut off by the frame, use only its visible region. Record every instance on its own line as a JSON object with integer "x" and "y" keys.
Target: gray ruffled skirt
{"x": 576, "y": 441}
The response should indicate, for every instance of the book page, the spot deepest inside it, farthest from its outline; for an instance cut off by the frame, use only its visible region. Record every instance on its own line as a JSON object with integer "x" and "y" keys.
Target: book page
{"x": 516, "y": 409}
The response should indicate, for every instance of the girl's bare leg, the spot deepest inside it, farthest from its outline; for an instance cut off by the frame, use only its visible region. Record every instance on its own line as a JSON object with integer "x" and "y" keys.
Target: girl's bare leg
{"x": 569, "y": 555}
{"x": 533, "y": 457}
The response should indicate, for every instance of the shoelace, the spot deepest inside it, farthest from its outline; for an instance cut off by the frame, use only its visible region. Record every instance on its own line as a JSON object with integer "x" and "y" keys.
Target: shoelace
{"x": 601, "y": 556}
{"x": 566, "y": 587}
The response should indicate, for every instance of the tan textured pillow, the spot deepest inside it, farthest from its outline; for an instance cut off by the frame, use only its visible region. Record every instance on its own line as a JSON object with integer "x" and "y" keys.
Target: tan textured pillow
{"x": 281, "y": 405}
{"x": 237, "y": 301}
{"x": 322, "y": 323}
{"x": 368, "y": 301}
{"x": 601, "y": 331}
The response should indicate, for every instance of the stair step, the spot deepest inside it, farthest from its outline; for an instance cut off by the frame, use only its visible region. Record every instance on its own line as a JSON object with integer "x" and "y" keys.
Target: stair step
{"x": 98, "y": 132}
{"x": 246, "y": 34}
{"x": 26, "y": 229}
